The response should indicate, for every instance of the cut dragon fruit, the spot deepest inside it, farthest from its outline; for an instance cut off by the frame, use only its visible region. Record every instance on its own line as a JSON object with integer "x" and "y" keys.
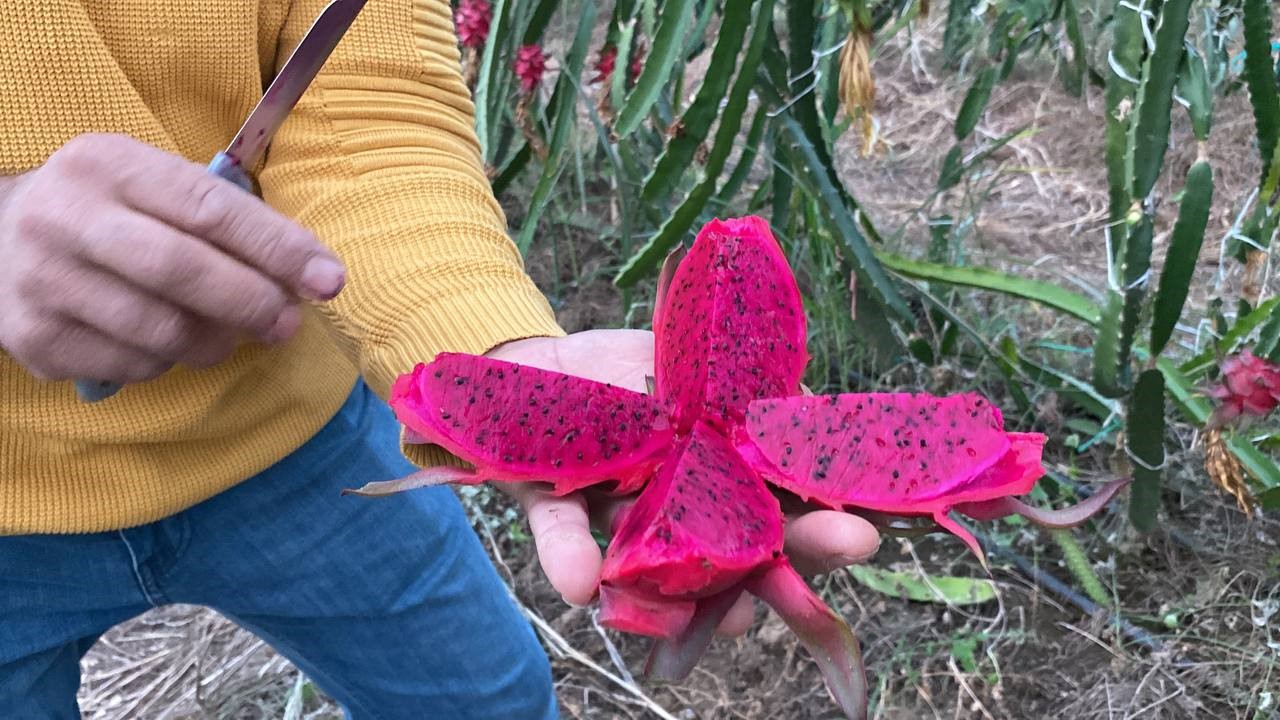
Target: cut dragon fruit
{"x": 725, "y": 419}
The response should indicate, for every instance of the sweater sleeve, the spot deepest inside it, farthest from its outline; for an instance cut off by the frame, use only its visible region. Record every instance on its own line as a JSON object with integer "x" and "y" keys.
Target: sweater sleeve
{"x": 380, "y": 159}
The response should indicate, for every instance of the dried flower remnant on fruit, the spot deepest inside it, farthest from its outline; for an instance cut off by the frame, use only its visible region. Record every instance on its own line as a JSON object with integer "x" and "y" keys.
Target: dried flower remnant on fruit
{"x": 1226, "y": 472}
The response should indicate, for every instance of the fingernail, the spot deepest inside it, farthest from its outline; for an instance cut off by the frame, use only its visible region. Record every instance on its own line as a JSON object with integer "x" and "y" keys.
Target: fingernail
{"x": 842, "y": 561}
{"x": 323, "y": 278}
{"x": 286, "y": 325}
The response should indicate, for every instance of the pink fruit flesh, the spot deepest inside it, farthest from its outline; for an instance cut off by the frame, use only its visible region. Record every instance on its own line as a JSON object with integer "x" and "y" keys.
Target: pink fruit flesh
{"x": 894, "y": 453}
{"x": 888, "y": 452}
{"x": 730, "y": 326}
{"x": 519, "y": 423}
{"x": 704, "y": 522}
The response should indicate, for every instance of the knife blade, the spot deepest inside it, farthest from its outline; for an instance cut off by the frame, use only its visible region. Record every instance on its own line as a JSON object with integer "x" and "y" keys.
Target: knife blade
{"x": 250, "y": 143}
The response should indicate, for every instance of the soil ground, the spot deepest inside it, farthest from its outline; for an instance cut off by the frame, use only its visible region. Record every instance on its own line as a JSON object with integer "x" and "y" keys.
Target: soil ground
{"x": 1205, "y": 584}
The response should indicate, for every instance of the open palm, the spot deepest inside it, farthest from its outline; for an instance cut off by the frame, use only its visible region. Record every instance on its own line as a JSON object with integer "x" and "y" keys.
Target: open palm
{"x": 816, "y": 541}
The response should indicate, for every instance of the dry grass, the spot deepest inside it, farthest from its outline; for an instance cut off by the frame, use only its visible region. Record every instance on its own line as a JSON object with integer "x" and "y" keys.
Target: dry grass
{"x": 1032, "y": 657}
{"x": 184, "y": 661}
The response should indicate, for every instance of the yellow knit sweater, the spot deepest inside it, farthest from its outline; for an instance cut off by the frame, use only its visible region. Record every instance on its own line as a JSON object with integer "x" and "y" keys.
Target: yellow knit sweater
{"x": 379, "y": 159}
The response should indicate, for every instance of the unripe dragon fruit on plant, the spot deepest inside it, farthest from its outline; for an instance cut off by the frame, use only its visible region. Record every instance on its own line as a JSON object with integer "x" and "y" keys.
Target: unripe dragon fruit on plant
{"x": 726, "y": 415}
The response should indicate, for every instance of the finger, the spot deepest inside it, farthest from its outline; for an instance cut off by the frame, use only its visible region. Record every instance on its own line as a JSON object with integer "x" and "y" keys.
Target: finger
{"x": 184, "y": 196}
{"x": 824, "y": 540}
{"x": 190, "y": 274}
{"x": 73, "y": 350}
{"x": 134, "y": 318}
{"x": 740, "y": 617}
{"x": 217, "y": 343}
{"x": 567, "y": 552}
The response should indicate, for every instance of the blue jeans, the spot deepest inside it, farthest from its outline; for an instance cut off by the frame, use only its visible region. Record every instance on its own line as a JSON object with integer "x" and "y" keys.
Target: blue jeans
{"x": 389, "y": 605}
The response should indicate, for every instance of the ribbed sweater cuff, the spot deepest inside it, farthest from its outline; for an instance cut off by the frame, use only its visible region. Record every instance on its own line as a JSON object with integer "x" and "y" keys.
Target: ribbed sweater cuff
{"x": 474, "y": 321}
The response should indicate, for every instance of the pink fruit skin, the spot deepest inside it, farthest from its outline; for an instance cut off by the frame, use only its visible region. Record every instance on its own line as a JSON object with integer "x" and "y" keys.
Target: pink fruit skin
{"x": 730, "y": 326}
{"x": 640, "y": 614}
{"x": 519, "y": 423}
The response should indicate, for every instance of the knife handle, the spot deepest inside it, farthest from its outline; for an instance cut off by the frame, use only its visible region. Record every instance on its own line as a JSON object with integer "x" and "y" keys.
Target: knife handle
{"x": 223, "y": 166}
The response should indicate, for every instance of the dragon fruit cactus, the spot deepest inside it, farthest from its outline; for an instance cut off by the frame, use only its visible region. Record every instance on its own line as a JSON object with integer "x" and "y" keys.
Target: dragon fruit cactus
{"x": 1250, "y": 387}
{"x": 725, "y": 419}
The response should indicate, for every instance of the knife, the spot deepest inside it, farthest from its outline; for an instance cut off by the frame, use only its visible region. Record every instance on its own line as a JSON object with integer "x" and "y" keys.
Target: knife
{"x": 251, "y": 142}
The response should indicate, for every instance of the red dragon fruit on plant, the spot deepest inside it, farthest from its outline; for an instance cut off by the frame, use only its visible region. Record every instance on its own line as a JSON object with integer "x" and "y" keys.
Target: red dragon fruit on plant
{"x": 726, "y": 415}
{"x": 637, "y": 60}
{"x": 472, "y": 19}
{"x": 607, "y": 60}
{"x": 1250, "y": 387}
{"x": 530, "y": 65}
{"x": 605, "y": 63}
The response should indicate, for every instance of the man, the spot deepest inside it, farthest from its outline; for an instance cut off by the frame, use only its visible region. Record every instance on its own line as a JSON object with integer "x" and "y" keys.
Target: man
{"x": 259, "y": 334}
